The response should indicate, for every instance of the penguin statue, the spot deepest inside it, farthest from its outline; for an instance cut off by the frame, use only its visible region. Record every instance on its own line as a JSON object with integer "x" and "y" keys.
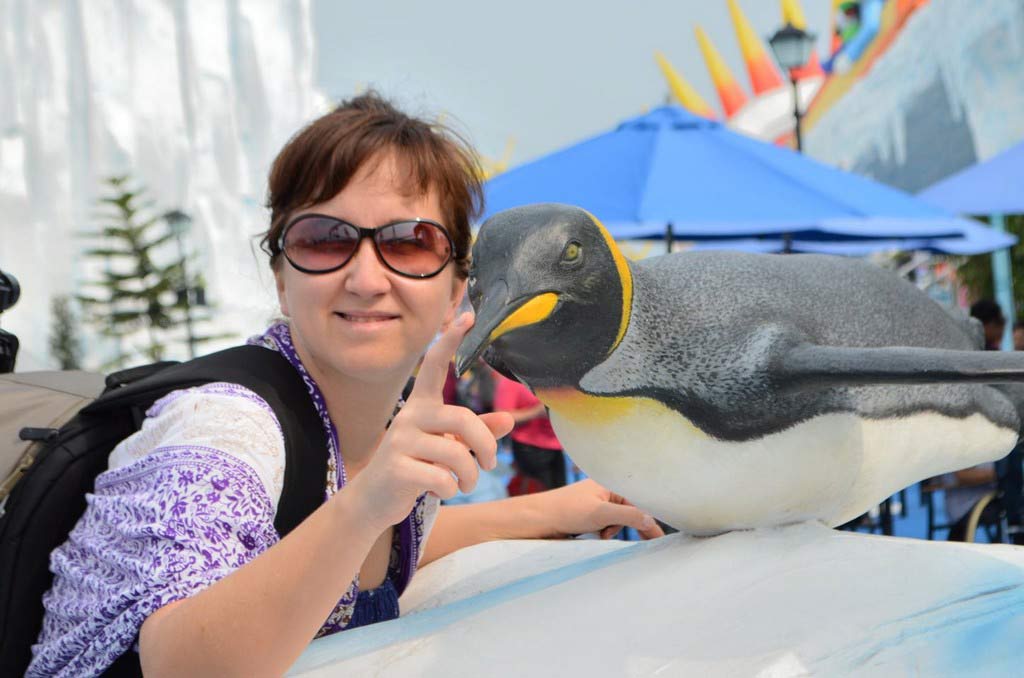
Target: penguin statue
{"x": 724, "y": 390}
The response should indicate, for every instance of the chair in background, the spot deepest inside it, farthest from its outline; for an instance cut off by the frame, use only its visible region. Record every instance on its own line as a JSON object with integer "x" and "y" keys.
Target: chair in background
{"x": 994, "y": 523}
{"x": 999, "y": 511}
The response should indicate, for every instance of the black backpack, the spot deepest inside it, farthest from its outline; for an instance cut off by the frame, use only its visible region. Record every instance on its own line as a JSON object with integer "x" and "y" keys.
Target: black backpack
{"x": 49, "y": 499}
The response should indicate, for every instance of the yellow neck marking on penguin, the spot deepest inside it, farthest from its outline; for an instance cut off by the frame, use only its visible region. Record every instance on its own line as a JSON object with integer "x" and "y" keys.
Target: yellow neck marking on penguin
{"x": 533, "y": 311}
{"x": 625, "y": 277}
{"x": 589, "y": 410}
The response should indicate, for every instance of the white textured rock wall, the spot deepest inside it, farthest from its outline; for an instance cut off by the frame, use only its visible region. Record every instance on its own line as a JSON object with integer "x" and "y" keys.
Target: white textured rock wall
{"x": 192, "y": 98}
{"x": 949, "y": 91}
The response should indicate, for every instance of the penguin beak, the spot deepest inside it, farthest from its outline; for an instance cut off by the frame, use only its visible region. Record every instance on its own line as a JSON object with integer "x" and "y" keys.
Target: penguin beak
{"x": 498, "y": 316}
{"x": 478, "y": 339}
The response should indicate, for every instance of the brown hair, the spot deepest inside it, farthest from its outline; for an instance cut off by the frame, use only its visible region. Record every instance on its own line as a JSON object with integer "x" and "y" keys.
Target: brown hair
{"x": 322, "y": 158}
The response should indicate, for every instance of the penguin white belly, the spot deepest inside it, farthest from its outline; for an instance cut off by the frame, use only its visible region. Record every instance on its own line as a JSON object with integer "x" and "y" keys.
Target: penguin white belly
{"x": 831, "y": 468}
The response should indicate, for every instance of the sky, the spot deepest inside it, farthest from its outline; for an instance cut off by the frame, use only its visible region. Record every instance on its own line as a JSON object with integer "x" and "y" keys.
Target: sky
{"x": 541, "y": 73}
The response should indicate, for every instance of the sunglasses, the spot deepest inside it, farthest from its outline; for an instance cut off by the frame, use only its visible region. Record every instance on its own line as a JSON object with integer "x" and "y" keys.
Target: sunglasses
{"x": 414, "y": 248}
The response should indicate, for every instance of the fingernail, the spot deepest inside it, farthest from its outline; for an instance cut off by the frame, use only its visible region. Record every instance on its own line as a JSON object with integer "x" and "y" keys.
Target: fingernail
{"x": 648, "y": 523}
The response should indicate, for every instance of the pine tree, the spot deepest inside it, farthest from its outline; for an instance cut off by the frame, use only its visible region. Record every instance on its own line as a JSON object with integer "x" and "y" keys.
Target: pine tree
{"x": 141, "y": 297}
{"x": 64, "y": 344}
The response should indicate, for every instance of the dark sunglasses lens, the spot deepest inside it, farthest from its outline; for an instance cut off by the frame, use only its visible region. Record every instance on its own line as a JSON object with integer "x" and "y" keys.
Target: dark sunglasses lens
{"x": 320, "y": 244}
{"x": 414, "y": 247}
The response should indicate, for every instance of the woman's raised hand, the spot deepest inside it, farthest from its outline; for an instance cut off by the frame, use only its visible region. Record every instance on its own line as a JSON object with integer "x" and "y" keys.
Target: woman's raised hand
{"x": 430, "y": 446}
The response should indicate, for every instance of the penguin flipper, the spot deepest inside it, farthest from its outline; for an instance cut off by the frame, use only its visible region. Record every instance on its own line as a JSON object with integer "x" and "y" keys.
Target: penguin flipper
{"x": 811, "y": 367}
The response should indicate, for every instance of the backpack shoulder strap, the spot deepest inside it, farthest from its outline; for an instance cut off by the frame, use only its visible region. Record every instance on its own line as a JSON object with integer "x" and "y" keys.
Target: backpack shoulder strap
{"x": 268, "y": 374}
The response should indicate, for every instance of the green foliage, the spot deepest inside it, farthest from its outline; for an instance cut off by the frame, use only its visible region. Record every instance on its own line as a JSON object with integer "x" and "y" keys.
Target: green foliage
{"x": 64, "y": 344}
{"x": 142, "y": 291}
{"x": 976, "y": 272}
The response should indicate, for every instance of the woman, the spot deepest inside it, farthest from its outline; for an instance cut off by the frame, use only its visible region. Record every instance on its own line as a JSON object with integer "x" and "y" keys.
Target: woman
{"x": 369, "y": 245}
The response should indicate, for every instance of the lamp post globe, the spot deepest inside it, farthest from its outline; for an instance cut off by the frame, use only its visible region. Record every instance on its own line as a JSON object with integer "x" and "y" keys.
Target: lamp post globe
{"x": 792, "y": 48}
{"x": 179, "y": 223}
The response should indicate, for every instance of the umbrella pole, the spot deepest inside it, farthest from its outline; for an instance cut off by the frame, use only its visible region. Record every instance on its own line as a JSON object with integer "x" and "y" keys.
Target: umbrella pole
{"x": 787, "y": 243}
{"x": 1002, "y": 281}
{"x": 668, "y": 238}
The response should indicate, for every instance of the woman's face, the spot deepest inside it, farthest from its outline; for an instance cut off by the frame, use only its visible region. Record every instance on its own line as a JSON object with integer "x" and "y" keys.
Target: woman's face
{"x": 364, "y": 321}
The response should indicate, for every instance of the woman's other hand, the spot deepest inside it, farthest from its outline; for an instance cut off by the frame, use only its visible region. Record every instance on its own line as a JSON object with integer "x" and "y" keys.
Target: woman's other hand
{"x": 586, "y": 506}
{"x": 430, "y": 446}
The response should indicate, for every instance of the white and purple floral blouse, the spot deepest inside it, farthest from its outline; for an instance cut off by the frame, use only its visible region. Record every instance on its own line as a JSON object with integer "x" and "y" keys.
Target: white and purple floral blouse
{"x": 188, "y": 499}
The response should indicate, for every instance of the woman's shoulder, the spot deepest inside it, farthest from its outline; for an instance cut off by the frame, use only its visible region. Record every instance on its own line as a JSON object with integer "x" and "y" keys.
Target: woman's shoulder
{"x": 220, "y": 395}
{"x": 219, "y": 418}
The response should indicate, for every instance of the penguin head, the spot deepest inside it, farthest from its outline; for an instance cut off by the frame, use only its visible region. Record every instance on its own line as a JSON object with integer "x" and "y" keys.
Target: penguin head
{"x": 552, "y": 294}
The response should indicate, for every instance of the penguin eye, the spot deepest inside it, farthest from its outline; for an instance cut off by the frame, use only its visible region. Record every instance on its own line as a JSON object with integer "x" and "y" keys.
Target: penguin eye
{"x": 572, "y": 252}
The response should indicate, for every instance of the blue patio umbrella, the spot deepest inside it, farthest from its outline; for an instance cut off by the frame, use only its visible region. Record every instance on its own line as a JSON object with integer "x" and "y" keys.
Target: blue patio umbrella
{"x": 994, "y": 187}
{"x": 671, "y": 173}
{"x": 976, "y": 239}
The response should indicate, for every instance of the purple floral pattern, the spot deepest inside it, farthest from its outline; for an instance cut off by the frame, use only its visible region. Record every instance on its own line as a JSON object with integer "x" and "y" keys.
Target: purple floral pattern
{"x": 177, "y": 520}
{"x": 169, "y": 524}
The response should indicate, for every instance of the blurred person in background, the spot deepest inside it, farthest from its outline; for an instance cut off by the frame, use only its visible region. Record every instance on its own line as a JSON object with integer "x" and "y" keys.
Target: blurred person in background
{"x": 1018, "y": 336}
{"x": 536, "y": 450}
{"x": 992, "y": 320}
{"x": 969, "y": 485}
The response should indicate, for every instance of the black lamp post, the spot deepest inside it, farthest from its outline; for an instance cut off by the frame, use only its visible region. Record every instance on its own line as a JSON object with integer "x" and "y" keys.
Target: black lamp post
{"x": 792, "y": 47}
{"x": 179, "y": 222}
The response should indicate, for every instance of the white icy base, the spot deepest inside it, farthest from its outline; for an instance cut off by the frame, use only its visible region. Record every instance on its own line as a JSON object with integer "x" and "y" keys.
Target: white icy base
{"x": 792, "y": 601}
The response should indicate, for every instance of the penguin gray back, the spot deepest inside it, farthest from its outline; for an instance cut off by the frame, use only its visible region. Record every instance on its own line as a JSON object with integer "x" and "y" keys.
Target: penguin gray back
{"x": 709, "y": 333}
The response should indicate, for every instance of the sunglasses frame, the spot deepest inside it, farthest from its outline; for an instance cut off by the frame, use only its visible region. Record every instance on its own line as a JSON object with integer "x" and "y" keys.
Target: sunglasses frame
{"x": 367, "y": 233}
